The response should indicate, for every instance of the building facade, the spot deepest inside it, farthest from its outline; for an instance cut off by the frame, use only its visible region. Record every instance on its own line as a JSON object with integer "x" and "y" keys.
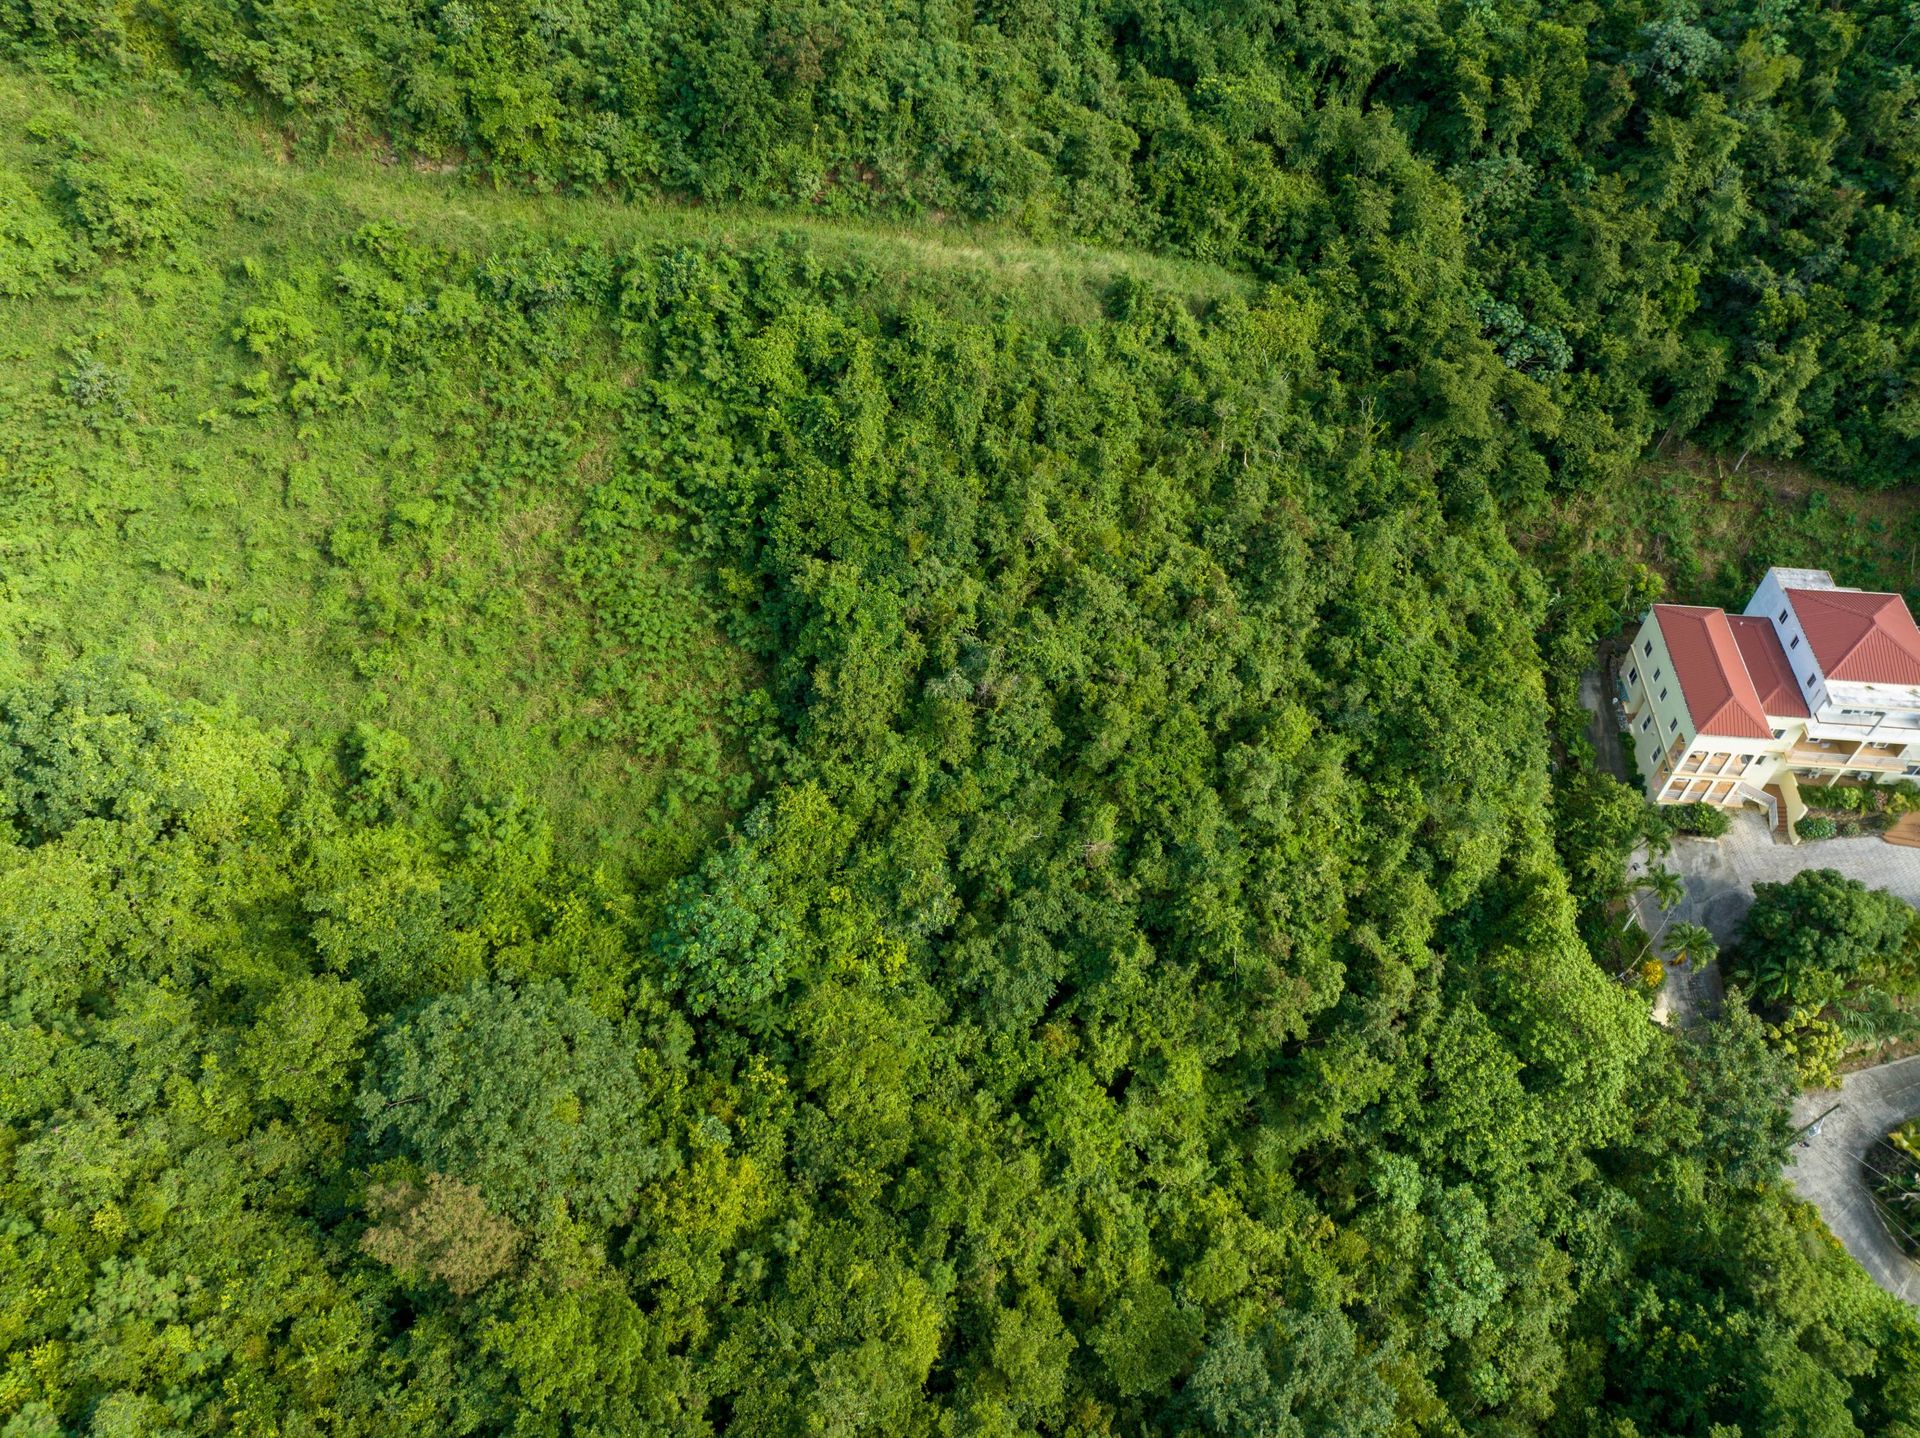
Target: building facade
{"x": 1813, "y": 684}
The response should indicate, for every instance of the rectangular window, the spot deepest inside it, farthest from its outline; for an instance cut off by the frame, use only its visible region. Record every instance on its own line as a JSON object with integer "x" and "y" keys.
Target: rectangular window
{"x": 1811, "y": 673}
{"x": 1633, "y": 676}
{"x": 1779, "y": 733}
{"x": 1646, "y": 724}
{"x": 1672, "y": 724}
{"x": 1783, "y": 616}
{"x": 1796, "y": 642}
{"x": 1647, "y": 648}
{"x": 1658, "y": 671}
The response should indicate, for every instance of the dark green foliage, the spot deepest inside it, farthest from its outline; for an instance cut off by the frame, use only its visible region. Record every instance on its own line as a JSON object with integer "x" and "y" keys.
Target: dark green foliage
{"x": 1086, "y": 783}
{"x": 525, "y": 1093}
{"x": 1818, "y": 936}
{"x": 1704, "y": 820}
{"x": 1828, "y": 961}
{"x": 1741, "y": 1092}
{"x": 1816, "y": 826}
{"x": 1298, "y": 1374}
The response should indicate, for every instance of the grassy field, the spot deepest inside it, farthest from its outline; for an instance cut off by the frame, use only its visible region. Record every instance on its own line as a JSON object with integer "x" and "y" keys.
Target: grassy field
{"x": 401, "y": 554}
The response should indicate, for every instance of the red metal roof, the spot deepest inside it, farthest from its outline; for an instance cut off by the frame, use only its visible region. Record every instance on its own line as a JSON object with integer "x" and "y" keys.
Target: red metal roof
{"x": 1767, "y": 666}
{"x": 1859, "y": 638}
{"x": 1713, "y": 677}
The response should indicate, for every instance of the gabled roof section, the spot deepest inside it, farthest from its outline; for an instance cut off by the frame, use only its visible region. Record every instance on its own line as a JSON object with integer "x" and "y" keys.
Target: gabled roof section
{"x": 1767, "y": 667}
{"x": 1859, "y": 638}
{"x": 1713, "y": 677}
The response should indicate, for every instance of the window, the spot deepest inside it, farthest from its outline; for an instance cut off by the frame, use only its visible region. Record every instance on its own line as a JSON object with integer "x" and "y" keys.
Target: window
{"x": 1633, "y": 676}
{"x": 1745, "y": 759}
{"x": 1779, "y": 733}
{"x": 1672, "y": 724}
{"x": 1657, "y": 671}
{"x": 1796, "y": 642}
{"x": 1663, "y": 694}
{"x": 1783, "y": 616}
{"x": 1647, "y": 648}
{"x": 1646, "y": 724}
{"x": 1812, "y": 674}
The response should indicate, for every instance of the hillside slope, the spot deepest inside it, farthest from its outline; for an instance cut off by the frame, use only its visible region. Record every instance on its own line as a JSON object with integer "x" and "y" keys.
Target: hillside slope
{"x": 616, "y": 820}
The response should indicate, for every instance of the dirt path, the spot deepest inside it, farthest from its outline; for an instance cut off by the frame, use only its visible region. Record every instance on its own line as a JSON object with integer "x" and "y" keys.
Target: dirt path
{"x": 1603, "y": 729}
{"x": 1825, "y": 1167}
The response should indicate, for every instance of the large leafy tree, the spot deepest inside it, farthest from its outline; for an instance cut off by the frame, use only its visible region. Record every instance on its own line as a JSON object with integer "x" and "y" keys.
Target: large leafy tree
{"x": 1820, "y": 937}
{"x": 522, "y": 1091}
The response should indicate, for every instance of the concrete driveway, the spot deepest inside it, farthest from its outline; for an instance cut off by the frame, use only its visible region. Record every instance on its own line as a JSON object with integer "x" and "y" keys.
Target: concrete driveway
{"x": 1825, "y": 1167}
{"x": 1720, "y": 873}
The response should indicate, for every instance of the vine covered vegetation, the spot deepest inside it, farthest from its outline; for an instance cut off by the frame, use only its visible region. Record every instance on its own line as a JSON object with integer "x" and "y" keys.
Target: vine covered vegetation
{"x": 884, "y": 744}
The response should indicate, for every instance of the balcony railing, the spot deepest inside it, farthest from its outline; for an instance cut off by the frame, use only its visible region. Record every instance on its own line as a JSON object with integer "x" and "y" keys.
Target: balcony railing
{"x": 1840, "y": 756}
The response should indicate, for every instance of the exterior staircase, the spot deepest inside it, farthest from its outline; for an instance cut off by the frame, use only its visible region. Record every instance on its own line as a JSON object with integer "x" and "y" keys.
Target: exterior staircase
{"x": 1784, "y": 807}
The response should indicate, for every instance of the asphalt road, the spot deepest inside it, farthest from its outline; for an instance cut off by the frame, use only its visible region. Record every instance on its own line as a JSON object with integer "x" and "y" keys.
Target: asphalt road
{"x": 1825, "y": 1168}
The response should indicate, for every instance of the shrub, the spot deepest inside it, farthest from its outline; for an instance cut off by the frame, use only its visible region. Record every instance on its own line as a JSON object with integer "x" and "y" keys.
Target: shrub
{"x": 1703, "y": 820}
{"x": 1847, "y": 799}
{"x": 1815, "y": 826}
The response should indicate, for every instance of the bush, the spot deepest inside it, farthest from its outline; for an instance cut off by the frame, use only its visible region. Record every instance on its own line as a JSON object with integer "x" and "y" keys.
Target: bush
{"x": 1815, "y": 826}
{"x": 1703, "y": 820}
{"x": 1848, "y": 799}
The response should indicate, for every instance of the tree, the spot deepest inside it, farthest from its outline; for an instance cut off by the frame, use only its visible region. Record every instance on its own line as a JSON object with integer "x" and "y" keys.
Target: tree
{"x": 1301, "y": 1374}
{"x": 1739, "y": 1089}
{"x": 525, "y": 1094}
{"x": 1668, "y": 890}
{"x": 1813, "y": 939}
{"x": 1690, "y": 943}
{"x": 304, "y": 1049}
{"x": 440, "y": 1230}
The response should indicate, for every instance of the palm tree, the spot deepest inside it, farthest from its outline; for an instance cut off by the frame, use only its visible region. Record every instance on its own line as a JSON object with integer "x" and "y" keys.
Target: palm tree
{"x": 1666, "y": 886}
{"x": 1691, "y": 943}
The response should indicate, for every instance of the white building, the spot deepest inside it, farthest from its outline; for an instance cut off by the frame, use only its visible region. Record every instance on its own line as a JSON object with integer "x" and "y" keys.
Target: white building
{"x": 1812, "y": 685}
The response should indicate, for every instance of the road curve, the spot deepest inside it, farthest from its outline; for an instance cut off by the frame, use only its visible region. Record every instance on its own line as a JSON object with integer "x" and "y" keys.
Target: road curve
{"x": 1825, "y": 1167}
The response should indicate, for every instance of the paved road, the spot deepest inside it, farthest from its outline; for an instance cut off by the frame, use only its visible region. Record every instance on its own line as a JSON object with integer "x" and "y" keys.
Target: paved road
{"x": 1825, "y": 1168}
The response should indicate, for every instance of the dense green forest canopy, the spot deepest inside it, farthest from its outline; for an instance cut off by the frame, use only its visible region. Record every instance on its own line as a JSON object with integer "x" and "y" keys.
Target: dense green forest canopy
{"x": 941, "y": 807}
{"x": 1663, "y": 217}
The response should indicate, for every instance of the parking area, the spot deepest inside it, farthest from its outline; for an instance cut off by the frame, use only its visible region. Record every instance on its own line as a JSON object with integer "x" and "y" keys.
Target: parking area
{"x": 1719, "y": 874}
